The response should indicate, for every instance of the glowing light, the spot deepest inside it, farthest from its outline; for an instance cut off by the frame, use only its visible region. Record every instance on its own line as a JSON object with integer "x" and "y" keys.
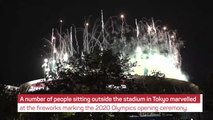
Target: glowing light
{"x": 149, "y": 29}
{"x": 172, "y": 36}
{"x": 122, "y": 16}
{"x": 87, "y": 24}
{"x": 54, "y": 51}
{"x": 65, "y": 58}
{"x": 54, "y": 38}
{"x": 53, "y": 61}
{"x": 61, "y": 21}
{"x": 148, "y": 62}
{"x": 45, "y": 60}
{"x": 47, "y": 69}
{"x": 164, "y": 28}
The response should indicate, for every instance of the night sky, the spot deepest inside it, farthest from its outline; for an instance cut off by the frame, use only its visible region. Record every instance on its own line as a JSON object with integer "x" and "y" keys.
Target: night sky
{"x": 26, "y": 24}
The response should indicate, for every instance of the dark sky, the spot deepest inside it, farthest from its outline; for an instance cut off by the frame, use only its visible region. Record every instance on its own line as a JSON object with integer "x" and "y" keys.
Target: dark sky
{"x": 26, "y": 23}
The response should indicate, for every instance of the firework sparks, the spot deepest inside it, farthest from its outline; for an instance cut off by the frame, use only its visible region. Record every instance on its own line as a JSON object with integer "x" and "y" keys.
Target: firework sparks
{"x": 150, "y": 47}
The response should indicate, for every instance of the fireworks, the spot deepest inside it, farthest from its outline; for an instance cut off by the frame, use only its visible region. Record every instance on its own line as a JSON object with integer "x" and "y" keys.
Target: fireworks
{"x": 150, "y": 46}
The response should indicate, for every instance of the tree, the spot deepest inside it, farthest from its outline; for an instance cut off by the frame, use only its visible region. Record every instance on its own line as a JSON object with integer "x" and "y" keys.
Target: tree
{"x": 92, "y": 73}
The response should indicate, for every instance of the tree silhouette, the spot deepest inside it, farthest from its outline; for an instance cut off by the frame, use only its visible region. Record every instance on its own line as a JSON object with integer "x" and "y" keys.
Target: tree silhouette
{"x": 92, "y": 73}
